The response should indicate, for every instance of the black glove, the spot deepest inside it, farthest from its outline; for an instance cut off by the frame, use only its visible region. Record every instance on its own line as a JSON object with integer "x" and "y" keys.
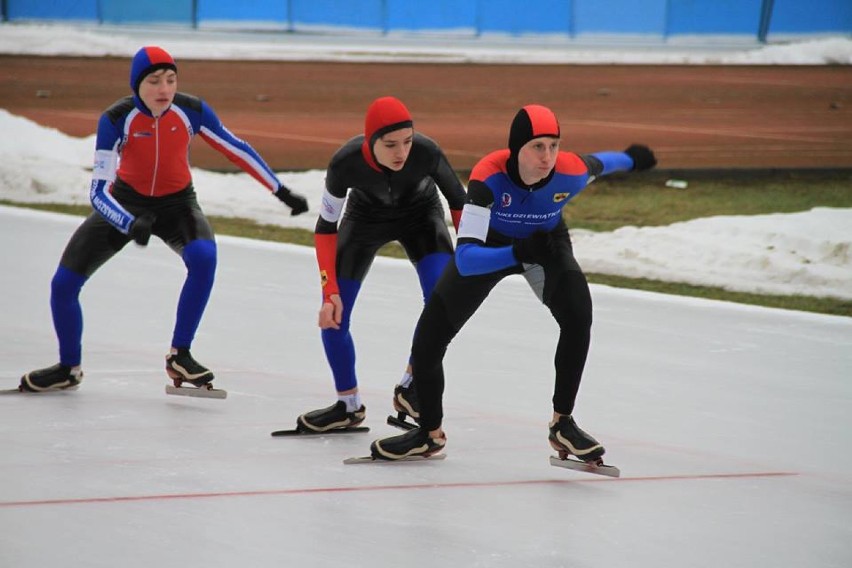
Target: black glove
{"x": 534, "y": 249}
{"x": 643, "y": 157}
{"x": 140, "y": 230}
{"x": 294, "y": 201}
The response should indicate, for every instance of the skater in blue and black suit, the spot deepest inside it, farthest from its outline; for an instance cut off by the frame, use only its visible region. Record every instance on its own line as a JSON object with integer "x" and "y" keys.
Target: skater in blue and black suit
{"x": 512, "y": 224}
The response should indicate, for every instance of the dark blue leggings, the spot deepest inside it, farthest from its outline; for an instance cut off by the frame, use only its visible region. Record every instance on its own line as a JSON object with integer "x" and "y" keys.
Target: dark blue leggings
{"x": 180, "y": 223}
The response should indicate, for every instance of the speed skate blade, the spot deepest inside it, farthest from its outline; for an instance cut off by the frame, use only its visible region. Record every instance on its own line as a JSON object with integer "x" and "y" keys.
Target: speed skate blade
{"x": 202, "y": 392}
{"x": 371, "y": 459}
{"x": 17, "y": 390}
{"x": 296, "y": 432}
{"x": 577, "y": 465}
{"x": 401, "y": 423}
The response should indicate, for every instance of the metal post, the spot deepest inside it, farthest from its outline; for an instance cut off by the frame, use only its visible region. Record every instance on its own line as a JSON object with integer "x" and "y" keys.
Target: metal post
{"x": 385, "y": 22}
{"x": 765, "y": 16}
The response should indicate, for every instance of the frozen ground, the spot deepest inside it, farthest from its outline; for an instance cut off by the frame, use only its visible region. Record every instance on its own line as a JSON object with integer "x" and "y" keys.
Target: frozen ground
{"x": 730, "y": 424}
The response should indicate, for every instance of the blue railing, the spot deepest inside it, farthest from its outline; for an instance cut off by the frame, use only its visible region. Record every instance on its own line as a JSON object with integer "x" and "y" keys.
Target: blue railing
{"x": 655, "y": 19}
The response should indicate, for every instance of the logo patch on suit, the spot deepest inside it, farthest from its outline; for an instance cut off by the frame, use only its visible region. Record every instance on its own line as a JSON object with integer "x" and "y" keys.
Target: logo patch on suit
{"x": 557, "y": 197}
{"x": 323, "y": 278}
{"x": 142, "y": 134}
{"x": 505, "y": 200}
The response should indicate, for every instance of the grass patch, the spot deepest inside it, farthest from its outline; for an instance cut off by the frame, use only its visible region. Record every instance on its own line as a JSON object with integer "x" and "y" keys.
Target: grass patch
{"x": 832, "y": 306}
{"x": 643, "y": 200}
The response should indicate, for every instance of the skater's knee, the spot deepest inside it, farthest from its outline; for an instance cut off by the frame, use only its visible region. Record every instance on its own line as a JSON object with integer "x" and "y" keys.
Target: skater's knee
{"x": 200, "y": 255}
{"x": 66, "y": 284}
{"x": 571, "y": 301}
{"x": 433, "y": 334}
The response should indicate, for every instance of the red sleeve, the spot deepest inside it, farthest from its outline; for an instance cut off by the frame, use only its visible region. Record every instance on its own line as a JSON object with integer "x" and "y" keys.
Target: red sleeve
{"x": 326, "y": 249}
{"x": 456, "y": 216}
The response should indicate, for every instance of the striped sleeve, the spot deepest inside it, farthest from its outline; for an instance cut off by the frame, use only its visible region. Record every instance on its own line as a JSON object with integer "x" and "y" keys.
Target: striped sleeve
{"x": 107, "y": 143}
{"x": 235, "y": 149}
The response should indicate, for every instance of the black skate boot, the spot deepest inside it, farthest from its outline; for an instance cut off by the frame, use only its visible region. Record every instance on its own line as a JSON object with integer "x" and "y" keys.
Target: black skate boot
{"x": 182, "y": 367}
{"x": 406, "y": 404}
{"x": 330, "y": 418}
{"x": 567, "y": 439}
{"x": 57, "y": 377}
{"x": 415, "y": 442}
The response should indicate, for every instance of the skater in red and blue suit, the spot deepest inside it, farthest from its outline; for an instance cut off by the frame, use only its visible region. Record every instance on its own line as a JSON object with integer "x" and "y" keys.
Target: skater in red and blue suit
{"x": 142, "y": 186}
{"x": 512, "y": 224}
{"x": 392, "y": 176}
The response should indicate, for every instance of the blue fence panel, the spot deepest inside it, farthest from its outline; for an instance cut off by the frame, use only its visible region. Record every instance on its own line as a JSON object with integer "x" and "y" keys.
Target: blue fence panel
{"x": 77, "y": 10}
{"x": 658, "y": 18}
{"x": 510, "y": 17}
{"x": 695, "y": 17}
{"x": 444, "y": 15}
{"x": 798, "y": 17}
{"x": 271, "y": 13}
{"x": 353, "y": 14}
{"x": 620, "y": 17}
{"x": 149, "y": 11}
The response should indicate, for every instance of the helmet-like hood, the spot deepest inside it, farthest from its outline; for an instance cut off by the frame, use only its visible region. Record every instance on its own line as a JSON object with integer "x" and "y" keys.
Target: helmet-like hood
{"x": 384, "y": 115}
{"x": 146, "y": 61}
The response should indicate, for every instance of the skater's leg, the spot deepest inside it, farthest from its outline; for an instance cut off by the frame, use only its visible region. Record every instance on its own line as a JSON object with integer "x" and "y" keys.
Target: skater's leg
{"x": 199, "y": 257}
{"x": 93, "y": 243}
{"x": 429, "y": 269}
{"x": 182, "y": 225}
{"x": 454, "y": 300}
{"x": 338, "y": 343}
{"x": 67, "y": 314}
{"x": 570, "y": 302}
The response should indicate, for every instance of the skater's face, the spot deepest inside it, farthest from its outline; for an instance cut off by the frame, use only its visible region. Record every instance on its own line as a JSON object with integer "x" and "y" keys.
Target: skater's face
{"x": 391, "y": 150}
{"x": 537, "y": 158}
{"x": 158, "y": 89}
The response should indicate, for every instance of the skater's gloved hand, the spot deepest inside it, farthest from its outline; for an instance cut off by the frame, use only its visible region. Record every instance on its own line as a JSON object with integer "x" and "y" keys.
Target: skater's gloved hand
{"x": 140, "y": 230}
{"x": 643, "y": 157}
{"x": 331, "y": 313}
{"x": 534, "y": 249}
{"x": 294, "y": 201}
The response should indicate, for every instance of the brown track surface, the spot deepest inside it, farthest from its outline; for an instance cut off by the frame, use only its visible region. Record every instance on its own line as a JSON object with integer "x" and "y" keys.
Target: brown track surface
{"x": 297, "y": 114}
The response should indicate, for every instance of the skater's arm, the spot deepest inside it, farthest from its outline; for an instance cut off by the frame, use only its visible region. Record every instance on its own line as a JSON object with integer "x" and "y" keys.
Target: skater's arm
{"x": 472, "y": 256}
{"x": 635, "y": 158}
{"x": 450, "y": 186}
{"x": 103, "y": 175}
{"x": 325, "y": 243}
{"x": 243, "y": 155}
{"x": 235, "y": 149}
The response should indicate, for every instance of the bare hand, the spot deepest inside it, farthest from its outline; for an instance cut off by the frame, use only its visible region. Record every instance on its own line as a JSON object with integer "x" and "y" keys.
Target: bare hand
{"x": 331, "y": 313}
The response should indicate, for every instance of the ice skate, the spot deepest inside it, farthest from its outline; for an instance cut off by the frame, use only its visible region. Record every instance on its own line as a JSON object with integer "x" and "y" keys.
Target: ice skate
{"x": 407, "y": 405}
{"x": 57, "y": 377}
{"x": 568, "y": 439}
{"x": 331, "y": 418}
{"x": 415, "y": 443}
{"x": 182, "y": 368}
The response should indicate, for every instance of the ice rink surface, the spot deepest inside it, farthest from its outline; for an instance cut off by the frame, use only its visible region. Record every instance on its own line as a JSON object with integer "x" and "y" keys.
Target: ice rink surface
{"x": 731, "y": 426}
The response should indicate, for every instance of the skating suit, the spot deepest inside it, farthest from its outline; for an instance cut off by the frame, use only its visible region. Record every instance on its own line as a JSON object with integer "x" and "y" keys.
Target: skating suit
{"x": 142, "y": 166}
{"x": 499, "y": 210}
{"x": 382, "y": 206}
